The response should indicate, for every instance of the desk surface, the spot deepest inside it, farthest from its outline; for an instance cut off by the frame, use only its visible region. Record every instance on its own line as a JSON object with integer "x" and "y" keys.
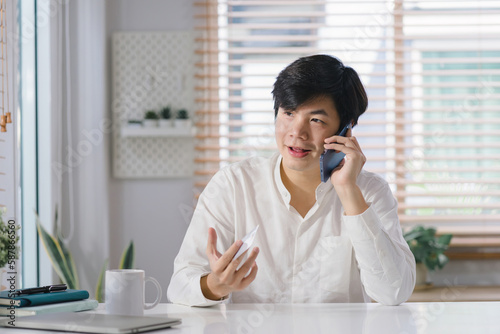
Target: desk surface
{"x": 440, "y": 317}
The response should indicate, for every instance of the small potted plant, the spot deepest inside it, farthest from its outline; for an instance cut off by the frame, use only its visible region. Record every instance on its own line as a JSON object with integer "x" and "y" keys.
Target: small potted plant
{"x": 428, "y": 250}
{"x": 166, "y": 115}
{"x": 150, "y": 119}
{"x": 182, "y": 119}
{"x": 134, "y": 123}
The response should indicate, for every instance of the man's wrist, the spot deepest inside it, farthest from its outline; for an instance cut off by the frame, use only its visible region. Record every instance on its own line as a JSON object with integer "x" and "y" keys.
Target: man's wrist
{"x": 207, "y": 292}
{"x": 352, "y": 200}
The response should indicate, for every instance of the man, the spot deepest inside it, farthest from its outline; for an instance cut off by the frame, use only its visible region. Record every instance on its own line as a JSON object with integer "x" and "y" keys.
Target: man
{"x": 338, "y": 241}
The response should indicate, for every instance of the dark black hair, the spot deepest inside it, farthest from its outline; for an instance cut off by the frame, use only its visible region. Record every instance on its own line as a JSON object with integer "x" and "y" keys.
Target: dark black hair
{"x": 316, "y": 76}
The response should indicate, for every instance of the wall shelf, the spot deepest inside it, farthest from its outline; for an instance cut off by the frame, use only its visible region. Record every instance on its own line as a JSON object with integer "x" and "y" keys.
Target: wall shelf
{"x": 129, "y": 131}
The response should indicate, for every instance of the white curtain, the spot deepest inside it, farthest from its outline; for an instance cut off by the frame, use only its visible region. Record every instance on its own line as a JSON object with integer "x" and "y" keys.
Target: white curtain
{"x": 82, "y": 126}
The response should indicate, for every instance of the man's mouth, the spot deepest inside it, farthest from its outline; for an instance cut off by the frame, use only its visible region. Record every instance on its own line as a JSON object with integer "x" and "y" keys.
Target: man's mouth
{"x": 298, "y": 152}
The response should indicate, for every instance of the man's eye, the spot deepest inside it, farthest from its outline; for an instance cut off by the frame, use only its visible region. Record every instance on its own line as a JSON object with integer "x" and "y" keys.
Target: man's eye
{"x": 315, "y": 120}
{"x": 288, "y": 113}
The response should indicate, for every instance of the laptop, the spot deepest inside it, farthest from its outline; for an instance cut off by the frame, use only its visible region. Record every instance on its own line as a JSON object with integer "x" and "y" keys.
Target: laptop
{"x": 92, "y": 323}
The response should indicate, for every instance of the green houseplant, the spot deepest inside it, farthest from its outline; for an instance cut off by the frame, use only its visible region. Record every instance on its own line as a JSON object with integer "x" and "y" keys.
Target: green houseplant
{"x": 182, "y": 119}
{"x": 166, "y": 112}
{"x": 150, "y": 119}
{"x": 166, "y": 115}
{"x": 182, "y": 114}
{"x": 64, "y": 266}
{"x": 134, "y": 123}
{"x": 428, "y": 250}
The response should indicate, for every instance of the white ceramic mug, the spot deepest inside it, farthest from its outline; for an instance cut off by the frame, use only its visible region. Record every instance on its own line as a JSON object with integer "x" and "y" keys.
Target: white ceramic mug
{"x": 124, "y": 292}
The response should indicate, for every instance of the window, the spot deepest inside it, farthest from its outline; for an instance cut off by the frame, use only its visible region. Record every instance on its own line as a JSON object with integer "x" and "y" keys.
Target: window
{"x": 28, "y": 142}
{"x": 19, "y": 154}
{"x": 432, "y": 74}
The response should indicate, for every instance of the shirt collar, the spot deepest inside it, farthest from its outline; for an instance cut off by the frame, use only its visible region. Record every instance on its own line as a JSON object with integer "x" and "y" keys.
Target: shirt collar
{"x": 321, "y": 190}
{"x": 284, "y": 193}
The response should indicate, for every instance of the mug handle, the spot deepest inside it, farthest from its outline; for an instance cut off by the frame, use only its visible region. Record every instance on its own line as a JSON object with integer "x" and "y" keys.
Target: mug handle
{"x": 158, "y": 297}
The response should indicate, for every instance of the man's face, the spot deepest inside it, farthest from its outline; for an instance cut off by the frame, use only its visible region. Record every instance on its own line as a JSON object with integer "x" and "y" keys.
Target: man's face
{"x": 300, "y": 133}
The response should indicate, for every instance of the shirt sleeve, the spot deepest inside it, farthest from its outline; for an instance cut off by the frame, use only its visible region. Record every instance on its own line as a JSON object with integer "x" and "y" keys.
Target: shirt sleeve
{"x": 214, "y": 209}
{"x": 386, "y": 264}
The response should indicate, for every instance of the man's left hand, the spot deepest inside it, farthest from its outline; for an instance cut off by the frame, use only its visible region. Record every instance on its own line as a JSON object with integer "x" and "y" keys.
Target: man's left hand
{"x": 344, "y": 177}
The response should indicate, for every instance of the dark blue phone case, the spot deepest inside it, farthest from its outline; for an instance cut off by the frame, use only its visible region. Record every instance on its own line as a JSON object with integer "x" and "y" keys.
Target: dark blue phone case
{"x": 329, "y": 159}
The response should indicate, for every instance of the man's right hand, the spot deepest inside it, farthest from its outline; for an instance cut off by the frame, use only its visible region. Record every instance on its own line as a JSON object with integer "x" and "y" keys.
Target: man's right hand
{"x": 225, "y": 277}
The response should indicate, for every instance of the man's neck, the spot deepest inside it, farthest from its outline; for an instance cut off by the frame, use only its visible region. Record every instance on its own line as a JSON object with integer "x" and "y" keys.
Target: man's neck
{"x": 302, "y": 187}
{"x": 300, "y": 181}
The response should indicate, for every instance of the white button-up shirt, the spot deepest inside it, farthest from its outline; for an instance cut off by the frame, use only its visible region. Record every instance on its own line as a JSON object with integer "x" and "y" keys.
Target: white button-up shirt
{"x": 324, "y": 257}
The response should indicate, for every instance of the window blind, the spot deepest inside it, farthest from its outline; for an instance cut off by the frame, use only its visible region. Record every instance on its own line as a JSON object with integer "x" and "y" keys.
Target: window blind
{"x": 432, "y": 73}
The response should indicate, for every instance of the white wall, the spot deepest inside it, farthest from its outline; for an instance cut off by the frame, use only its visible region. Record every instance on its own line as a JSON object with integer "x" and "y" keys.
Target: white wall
{"x": 152, "y": 213}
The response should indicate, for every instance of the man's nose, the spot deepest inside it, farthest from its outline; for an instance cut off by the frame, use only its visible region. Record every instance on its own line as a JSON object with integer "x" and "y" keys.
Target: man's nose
{"x": 300, "y": 129}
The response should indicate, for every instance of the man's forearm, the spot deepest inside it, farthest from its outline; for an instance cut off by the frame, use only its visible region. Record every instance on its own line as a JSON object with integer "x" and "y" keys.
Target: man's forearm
{"x": 352, "y": 200}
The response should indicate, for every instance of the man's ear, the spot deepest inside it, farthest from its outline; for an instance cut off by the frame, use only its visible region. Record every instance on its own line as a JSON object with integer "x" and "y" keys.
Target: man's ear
{"x": 349, "y": 130}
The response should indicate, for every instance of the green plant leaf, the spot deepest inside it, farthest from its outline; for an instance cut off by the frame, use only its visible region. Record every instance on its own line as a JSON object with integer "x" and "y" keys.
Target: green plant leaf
{"x": 420, "y": 252}
{"x": 431, "y": 262}
{"x": 182, "y": 114}
{"x": 128, "y": 257}
{"x": 166, "y": 113}
{"x": 99, "y": 288}
{"x": 151, "y": 114}
{"x": 445, "y": 240}
{"x": 442, "y": 260}
{"x": 427, "y": 248}
{"x": 67, "y": 255}
{"x": 413, "y": 234}
{"x": 428, "y": 235}
{"x": 70, "y": 263}
{"x": 57, "y": 256}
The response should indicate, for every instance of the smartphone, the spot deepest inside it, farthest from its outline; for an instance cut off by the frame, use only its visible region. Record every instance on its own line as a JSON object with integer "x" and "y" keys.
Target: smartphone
{"x": 247, "y": 242}
{"x": 329, "y": 159}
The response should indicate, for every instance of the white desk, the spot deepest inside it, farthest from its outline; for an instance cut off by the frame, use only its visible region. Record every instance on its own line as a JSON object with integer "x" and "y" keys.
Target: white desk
{"x": 469, "y": 317}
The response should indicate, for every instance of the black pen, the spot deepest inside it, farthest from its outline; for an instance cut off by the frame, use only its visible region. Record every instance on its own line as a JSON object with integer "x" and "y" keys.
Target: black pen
{"x": 44, "y": 289}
